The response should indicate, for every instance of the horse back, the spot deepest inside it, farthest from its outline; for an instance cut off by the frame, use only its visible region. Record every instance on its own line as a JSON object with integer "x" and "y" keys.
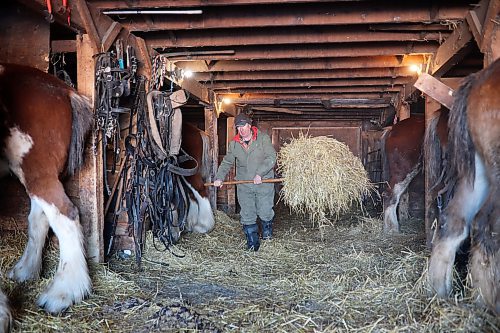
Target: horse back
{"x": 402, "y": 148}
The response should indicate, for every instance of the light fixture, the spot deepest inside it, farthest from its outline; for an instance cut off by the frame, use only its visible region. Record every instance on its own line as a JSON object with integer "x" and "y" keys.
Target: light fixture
{"x": 227, "y": 100}
{"x": 417, "y": 68}
{"x": 187, "y": 73}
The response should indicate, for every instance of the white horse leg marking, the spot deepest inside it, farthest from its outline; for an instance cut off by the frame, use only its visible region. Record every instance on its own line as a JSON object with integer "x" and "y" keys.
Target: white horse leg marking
{"x": 461, "y": 210}
{"x": 5, "y": 317}
{"x": 28, "y": 267}
{"x": 71, "y": 282}
{"x": 17, "y": 145}
{"x": 202, "y": 217}
{"x": 391, "y": 224}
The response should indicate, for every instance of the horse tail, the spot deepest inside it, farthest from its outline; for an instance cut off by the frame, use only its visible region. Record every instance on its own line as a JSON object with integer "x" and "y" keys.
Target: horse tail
{"x": 432, "y": 151}
{"x": 206, "y": 160}
{"x": 385, "y": 161}
{"x": 461, "y": 149}
{"x": 83, "y": 120}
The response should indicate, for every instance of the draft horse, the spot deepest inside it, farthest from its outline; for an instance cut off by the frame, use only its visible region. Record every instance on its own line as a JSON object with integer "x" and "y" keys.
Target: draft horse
{"x": 43, "y": 125}
{"x": 195, "y": 142}
{"x": 473, "y": 176}
{"x": 401, "y": 152}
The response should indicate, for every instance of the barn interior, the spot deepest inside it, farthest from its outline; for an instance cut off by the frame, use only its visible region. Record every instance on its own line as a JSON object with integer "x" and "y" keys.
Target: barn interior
{"x": 345, "y": 69}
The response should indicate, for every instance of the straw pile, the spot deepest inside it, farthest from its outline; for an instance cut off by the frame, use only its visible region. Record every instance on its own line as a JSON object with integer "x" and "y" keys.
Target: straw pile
{"x": 322, "y": 177}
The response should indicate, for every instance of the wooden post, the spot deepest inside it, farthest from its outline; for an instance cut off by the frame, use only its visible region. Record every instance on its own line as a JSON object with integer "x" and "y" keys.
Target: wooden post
{"x": 90, "y": 191}
{"x": 432, "y": 108}
{"x": 211, "y": 130}
{"x": 231, "y": 189}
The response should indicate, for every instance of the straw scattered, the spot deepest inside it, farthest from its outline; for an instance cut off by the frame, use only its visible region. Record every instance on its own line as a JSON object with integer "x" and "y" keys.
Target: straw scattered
{"x": 322, "y": 177}
{"x": 354, "y": 279}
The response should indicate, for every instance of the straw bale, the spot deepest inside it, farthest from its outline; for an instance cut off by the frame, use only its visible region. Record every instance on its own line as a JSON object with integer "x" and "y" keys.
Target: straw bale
{"x": 322, "y": 177}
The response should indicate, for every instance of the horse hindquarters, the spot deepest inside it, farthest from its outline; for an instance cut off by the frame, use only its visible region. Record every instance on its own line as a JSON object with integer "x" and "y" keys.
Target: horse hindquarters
{"x": 485, "y": 260}
{"x": 454, "y": 227}
{"x": 5, "y": 317}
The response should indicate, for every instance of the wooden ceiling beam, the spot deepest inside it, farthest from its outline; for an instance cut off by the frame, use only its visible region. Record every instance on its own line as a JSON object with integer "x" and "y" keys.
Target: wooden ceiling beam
{"x": 309, "y": 83}
{"x": 301, "y": 64}
{"x": 283, "y": 14}
{"x": 289, "y": 35}
{"x": 312, "y": 51}
{"x": 302, "y": 90}
{"x": 286, "y": 75}
{"x": 250, "y": 97}
{"x": 127, "y": 4}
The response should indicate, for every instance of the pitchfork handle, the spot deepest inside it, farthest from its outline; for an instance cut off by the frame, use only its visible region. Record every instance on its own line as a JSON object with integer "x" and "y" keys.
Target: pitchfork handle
{"x": 235, "y": 182}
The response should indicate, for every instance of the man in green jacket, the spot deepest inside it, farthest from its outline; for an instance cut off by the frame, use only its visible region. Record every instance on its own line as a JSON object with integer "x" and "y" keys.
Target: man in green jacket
{"x": 255, "y": 158}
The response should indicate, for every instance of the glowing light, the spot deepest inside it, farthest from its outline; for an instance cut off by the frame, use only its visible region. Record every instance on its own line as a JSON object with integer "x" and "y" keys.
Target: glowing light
{"x": 226, "y": 100}
{"x": 416, "y": 68}
{"x": 188, "y": 73}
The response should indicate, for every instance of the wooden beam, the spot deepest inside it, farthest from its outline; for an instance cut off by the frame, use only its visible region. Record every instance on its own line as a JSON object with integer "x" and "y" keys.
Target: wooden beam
{"x": 277, "y": 110}
{"x": 62, "y": 46}
{"x": 235, "y": 85}
{"x": 301, "y": 35}
{"x": 298, "y": 64}
{"x": 311, "y": 51}
{"x": 83, "y": 10}
{"x": 110, "y": 36}
{"x": 90, "y": 176}
{"x": 211, "y": 130}
{"x": 436, "y": 89}
{"x": 317, "y": 14}
{"x": 314, "y": 90}
{"x": 453, "y": 50}
{"x": 491, "y": 33}
{"x": 286, "y": 75}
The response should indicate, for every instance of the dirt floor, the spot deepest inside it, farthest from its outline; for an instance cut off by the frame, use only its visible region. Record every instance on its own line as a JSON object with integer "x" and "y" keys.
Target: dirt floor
{"x": 347, "y": 277}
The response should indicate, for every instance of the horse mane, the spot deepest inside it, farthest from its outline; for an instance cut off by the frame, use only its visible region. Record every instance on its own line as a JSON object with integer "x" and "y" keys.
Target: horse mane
{"x": 82, "y": 122}
{"x": 206, "y": 158}
{"x": 461, "y": 149}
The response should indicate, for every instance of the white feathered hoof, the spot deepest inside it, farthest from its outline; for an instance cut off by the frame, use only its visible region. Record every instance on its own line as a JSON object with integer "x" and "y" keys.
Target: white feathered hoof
{"x": 63, "y": 292}
{"x": 5, "y": 317}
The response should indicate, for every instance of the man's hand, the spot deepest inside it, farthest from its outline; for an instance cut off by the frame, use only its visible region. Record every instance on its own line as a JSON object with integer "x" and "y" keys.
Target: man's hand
{"x": 218, "y": 183}
{"x": 257, "y": 180}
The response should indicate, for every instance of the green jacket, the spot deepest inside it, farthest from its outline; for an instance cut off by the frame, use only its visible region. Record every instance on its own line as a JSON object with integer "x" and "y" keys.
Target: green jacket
{"x": 258, "y": 159}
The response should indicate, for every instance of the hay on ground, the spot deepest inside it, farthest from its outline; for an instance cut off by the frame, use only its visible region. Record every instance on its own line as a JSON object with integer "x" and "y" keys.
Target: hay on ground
{"x": 322, "y": 177}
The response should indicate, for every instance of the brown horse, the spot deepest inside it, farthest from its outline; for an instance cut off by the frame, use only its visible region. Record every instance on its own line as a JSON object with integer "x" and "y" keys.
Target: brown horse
{"x": 473, "y": 174}
{"x": 43, "y": 124}
{"x": 401, "y": 152}
{"x": 195, "y": 142}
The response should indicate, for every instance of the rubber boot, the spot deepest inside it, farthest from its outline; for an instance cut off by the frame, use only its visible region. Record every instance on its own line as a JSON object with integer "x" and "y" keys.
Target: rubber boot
{"x": 267, "y": 229}
{"x": 252, "y": 233}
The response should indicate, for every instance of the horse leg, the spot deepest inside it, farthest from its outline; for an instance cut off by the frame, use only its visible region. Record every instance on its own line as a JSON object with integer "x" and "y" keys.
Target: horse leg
{"x": 71, "y": 282}
{"x": 5, "y": 317}
{"x": 454, "y": 228}
{"x": 485, "y": 260}
{"x": 28, "y": 267}
{"x": 404, "y": 207}
{"x": 200, "y": 216}
{"x": 391, "y": 224}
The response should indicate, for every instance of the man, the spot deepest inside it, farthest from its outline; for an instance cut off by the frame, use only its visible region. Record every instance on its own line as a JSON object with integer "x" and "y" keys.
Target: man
{"x": 255, "y": 158}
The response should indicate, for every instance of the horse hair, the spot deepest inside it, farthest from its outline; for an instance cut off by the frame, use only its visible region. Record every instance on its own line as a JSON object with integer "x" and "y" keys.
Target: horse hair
{"x": 432, "y": 148}
{"x": 83, "y": 120}
{"x": 461, "y": 149}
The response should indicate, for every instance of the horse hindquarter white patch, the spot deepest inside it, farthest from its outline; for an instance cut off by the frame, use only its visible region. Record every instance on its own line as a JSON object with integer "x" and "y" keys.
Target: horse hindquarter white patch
{"x": 17, "y": 145}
